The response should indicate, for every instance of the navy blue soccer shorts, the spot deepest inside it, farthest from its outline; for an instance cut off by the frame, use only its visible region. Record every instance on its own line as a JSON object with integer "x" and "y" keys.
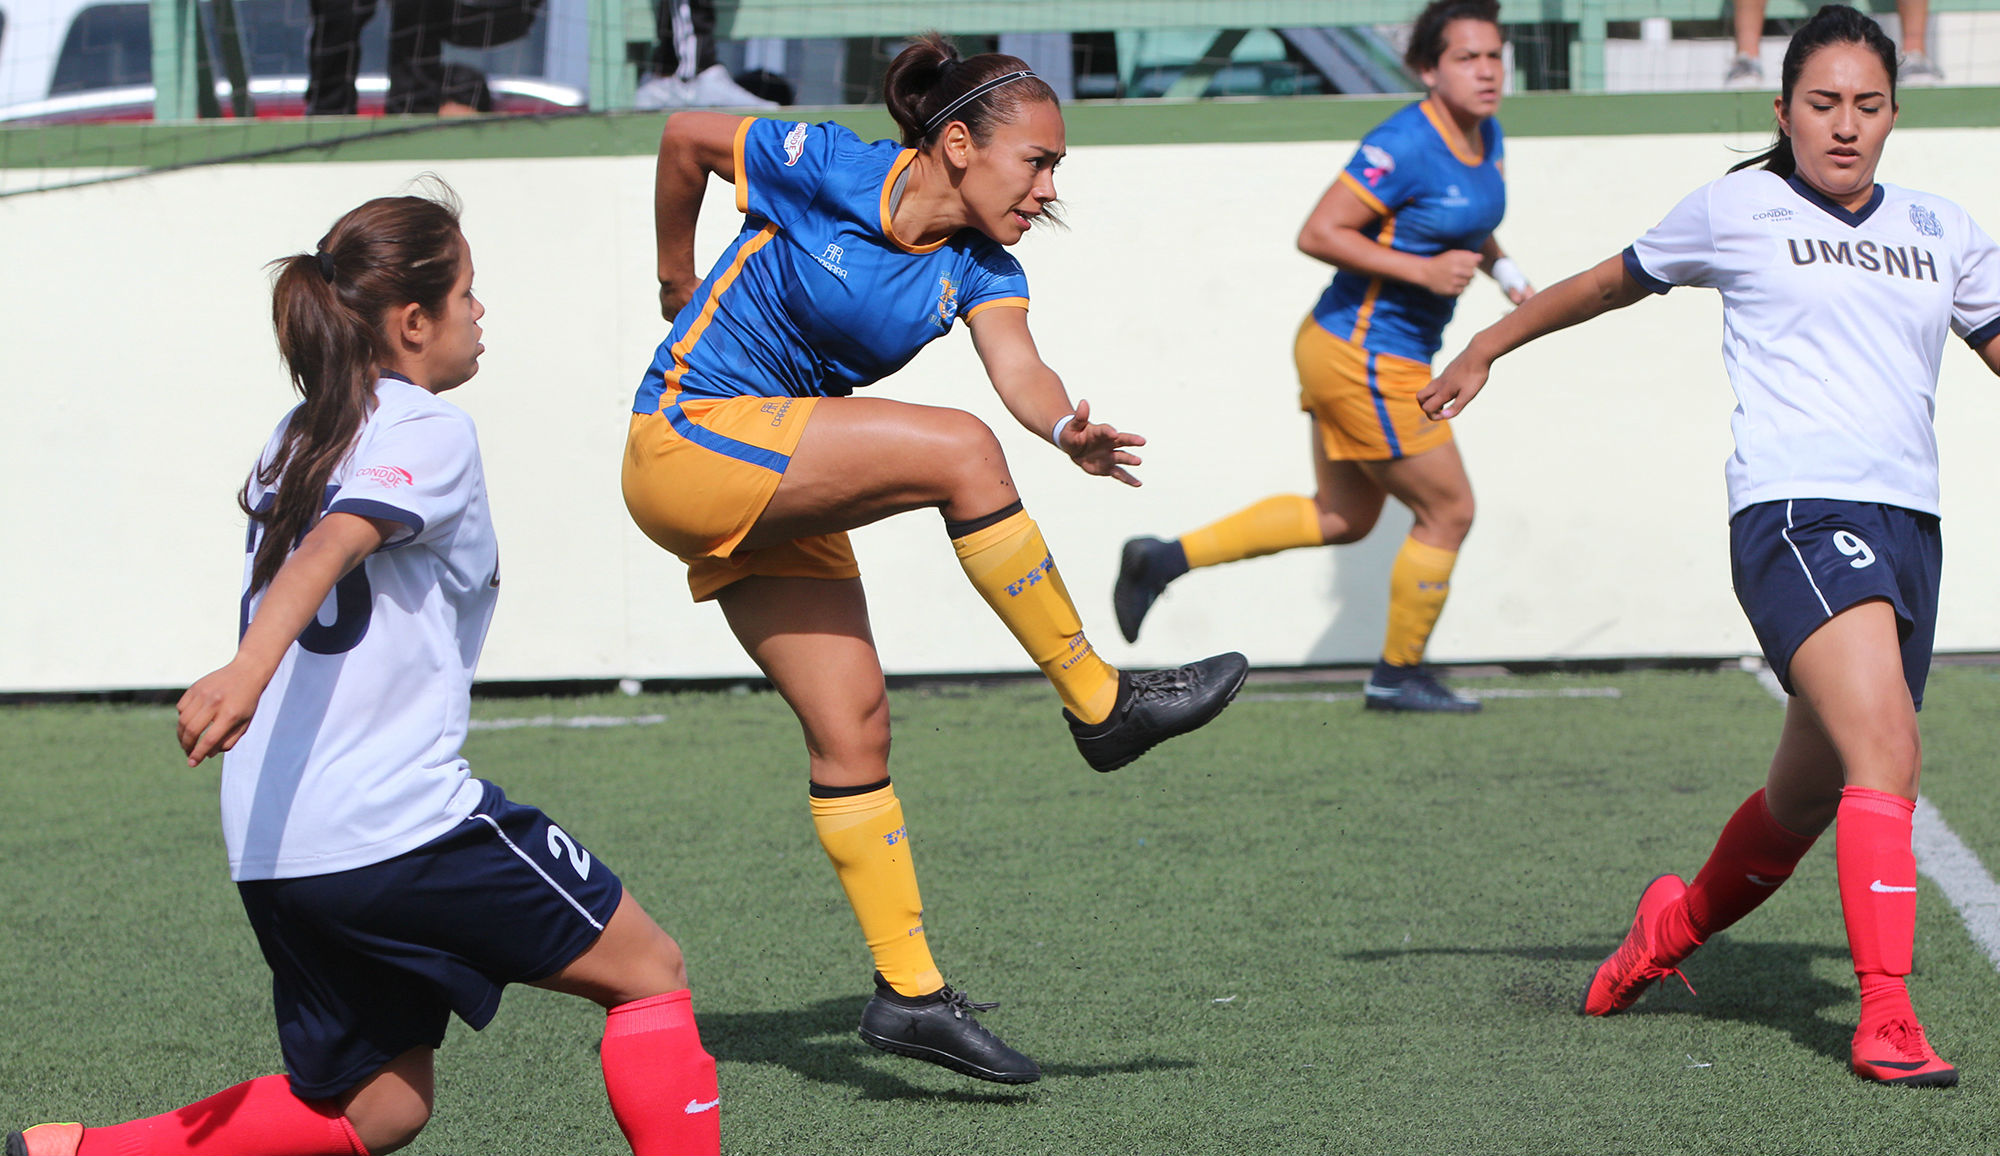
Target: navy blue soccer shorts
{"x": 369, "y": 963}
{"x": 1798, "y": 562}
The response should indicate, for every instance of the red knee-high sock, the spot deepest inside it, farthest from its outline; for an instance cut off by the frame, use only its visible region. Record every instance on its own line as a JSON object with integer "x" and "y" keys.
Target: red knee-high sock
{"x": 1752, "y": 856}
{"x": 661, "y": 1082}
{"x": 1878, "y": 896}
{"x": 258, "y": 1118}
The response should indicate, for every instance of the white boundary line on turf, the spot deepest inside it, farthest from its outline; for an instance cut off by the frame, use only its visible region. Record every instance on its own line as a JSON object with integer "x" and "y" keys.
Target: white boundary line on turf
{"x": 579, "y": 722}
{"x": 1941, "y": 855}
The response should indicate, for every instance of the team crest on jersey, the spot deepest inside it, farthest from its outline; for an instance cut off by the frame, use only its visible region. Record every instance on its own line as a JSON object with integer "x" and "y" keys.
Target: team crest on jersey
{"x": 1925, "y": 221}
{"x": 388, "y": 477}
{"x": 795, "y": 144}
{"x": 1380, "y": 164}
{"x": 947, "y": 304}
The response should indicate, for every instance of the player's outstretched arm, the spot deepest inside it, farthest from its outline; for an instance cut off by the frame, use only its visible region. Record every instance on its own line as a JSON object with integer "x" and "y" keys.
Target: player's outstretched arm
{"x": 1035, "y": 396}
{"x": 692, "y": 145}
{"x": 1598, "y": 289}
{"x": 216, "y": 710}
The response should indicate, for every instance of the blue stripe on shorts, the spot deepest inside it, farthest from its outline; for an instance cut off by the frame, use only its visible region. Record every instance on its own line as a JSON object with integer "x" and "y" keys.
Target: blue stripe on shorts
{"x": 723, "y": 444}
{"x": 1382, "y": 411}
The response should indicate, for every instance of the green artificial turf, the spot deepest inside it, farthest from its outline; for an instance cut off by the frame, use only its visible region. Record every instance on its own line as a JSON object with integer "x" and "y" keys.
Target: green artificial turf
{"x": 1304, "y": 929}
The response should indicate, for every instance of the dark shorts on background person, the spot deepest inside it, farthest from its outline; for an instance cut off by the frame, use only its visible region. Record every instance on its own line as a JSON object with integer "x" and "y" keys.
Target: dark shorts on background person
{"x": 1796, "y": 563}
{"x": 369, "y": 963}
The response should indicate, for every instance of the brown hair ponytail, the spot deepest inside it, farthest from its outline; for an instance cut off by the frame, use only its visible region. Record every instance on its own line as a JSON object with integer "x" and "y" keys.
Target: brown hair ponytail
{"x": 929, "y": 77}
{"x": 329, "y": 309}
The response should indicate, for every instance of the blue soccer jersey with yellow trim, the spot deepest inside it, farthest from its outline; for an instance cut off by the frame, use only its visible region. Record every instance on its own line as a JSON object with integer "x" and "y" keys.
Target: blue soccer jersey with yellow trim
{"x": 1432, "y": 198}
{"x": 817, "y": 296}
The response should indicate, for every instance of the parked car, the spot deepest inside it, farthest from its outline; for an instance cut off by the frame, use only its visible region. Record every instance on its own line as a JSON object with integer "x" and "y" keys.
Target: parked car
{"x": 74, "y": 61}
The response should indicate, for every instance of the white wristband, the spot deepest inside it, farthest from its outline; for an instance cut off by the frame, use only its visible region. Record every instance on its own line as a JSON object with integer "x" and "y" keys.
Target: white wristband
{"x": 1062, "y": 423}
{"x": 1509, "y": 275}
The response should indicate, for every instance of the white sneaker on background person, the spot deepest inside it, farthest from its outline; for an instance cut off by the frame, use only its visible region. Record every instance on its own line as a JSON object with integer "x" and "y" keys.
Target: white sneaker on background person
{"x": 712, "y": 87}
{"x": 663, "y": 92}
{"x": 715, "y": 88}
{"x": 1744, "y": 72}
{"x": 1919, "y": 71}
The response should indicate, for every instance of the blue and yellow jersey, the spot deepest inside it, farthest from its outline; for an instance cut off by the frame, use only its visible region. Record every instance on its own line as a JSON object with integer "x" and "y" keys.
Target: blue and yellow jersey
{"x": 1432, "y": 198}
{"x": 817, "y": 296}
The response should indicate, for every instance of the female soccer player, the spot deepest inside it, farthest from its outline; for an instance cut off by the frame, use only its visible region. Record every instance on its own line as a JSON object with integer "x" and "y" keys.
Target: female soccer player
{"x": 389, "y": 888}
{"x": 748, "y": 459}
{"x": 1837, "y": 295}
{"x": 1406, "y": 225}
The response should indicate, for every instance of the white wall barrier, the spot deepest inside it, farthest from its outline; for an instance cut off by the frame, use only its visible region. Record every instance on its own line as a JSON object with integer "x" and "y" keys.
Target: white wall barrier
{"x": 140, "y": 377}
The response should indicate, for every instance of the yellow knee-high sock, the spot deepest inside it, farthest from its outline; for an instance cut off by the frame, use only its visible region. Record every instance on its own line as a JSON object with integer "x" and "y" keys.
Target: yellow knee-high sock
{"x": 865, "y": 838}
{"x": 1282, "y": 522}
{"x": 1419, "y": 583}
{"x": 1010, "y": 566}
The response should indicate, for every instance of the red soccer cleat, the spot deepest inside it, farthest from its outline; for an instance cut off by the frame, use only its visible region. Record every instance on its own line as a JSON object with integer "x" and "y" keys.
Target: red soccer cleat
{"x": 47, "y": 1140}
{"x": 1624, "y": 975}
{"x": 1897, "y": 1053}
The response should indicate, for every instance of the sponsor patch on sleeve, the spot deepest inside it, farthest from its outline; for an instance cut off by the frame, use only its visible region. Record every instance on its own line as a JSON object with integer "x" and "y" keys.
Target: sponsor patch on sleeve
{"x": 1380, "y": 164}
{"x": 388, "y": 477}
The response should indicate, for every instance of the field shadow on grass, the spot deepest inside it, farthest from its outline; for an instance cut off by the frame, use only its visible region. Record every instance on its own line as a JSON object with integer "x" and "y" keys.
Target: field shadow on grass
{"x": 818, "y": 1042}
{"x": 1388, "y": 954}
{"x": 1771, "y": 985}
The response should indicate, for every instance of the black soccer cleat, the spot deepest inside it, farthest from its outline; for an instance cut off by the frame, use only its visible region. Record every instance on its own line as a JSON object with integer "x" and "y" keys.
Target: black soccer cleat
{"x": 1144, "y": 570}
{"x": 1413, "y": 688}
{"x": 938, "y": 1028}
{"x": 1155, "y": 705}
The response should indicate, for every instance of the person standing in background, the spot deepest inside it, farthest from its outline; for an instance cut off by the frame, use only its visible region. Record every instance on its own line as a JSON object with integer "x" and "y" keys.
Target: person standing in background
{"x": 1917, "y": 69}
{"x": 685, "y": 73}
{"x": 1405, "y": 227}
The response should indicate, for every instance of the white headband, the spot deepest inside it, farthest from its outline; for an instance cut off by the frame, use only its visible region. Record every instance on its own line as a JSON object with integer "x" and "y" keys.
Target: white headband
{"x": 977, "y": 91}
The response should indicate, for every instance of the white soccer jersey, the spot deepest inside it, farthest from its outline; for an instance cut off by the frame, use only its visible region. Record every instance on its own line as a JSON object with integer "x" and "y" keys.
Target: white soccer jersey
{"x": 1834, "y": 323}
{"x": 353, "y": 756}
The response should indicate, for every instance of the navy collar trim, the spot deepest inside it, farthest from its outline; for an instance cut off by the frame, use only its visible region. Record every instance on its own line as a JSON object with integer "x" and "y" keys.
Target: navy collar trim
{"x": 392, "y": 375}
{"x": 1833, "y": 208}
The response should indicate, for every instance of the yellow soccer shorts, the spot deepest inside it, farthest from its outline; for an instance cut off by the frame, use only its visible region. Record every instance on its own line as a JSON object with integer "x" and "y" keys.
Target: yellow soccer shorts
{"x": 1364, "y": 403}
{"x": 698, "y": 475}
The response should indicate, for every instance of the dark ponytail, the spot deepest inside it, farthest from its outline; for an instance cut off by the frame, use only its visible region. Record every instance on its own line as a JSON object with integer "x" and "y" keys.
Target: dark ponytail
{"x": 928, "y": 77}
{"x": 1832, "y": 24}
{"x": 329, "y": 309}
{"x": 1427, "y": 43}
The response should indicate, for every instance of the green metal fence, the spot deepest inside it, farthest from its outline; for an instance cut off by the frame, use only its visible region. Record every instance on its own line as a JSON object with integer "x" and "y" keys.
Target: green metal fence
{"x": 620, "y": 29}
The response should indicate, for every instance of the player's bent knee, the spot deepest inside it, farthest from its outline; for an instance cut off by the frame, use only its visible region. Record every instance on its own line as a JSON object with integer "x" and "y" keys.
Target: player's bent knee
{"x": 671, "y": 966}
{"x": 1894, "y": 769}
{"x": 659, "y": 966}
{"x": 1338, "y": 531}
{"x": 973, "y": 463}
{"x": 386, "y": 1127}
{"x": 967, "y": 433}
{"x": 1455, "y": 515}
{"x": 857, "y": 741}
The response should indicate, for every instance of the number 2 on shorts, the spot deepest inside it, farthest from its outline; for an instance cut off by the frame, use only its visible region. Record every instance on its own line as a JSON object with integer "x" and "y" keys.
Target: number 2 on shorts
{"x": 559, "y": 842}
